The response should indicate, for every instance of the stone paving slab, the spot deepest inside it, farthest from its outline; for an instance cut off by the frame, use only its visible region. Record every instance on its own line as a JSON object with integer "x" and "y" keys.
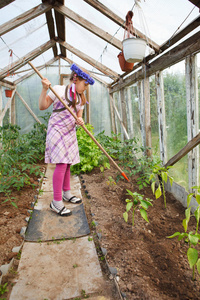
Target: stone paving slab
{"x": 58, "y": 271}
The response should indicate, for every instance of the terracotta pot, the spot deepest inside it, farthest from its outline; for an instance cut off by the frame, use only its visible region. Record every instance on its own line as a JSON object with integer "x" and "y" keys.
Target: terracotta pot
{"x": 124, "y": 65}
{"x": 8, "y": 93}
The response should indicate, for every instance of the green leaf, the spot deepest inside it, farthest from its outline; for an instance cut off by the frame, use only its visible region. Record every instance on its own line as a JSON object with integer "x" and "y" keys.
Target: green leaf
{"x": 151, "y": 177}
{"x": 158, "y": 192}
{"x": 128, "y": 206}
{"x": 187, "y": 213}
{"x": 129, "y": 193}
{"x": 185, "y": 224}
{"x": 145, "y": 204}
{"x": 198, "y": 198}
{"x": 171, "y": 180}
{"x": 189, "y": 197}
{"x": 125, "y": 215}
{"x": 193, "y": 239}
{"x": 164, "y": 176}
{"x": 153, "y": 187}
{"x": 197, "y": 214}
{"x": 173, "y": 235}
{"x": 198, "y": 265}
{"x": 192, "y": 255}
{"x": 144, "y": 214}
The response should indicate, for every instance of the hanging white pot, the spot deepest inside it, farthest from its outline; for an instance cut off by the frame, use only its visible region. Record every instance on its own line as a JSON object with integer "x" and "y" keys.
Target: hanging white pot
{"x": 134, "y": 49}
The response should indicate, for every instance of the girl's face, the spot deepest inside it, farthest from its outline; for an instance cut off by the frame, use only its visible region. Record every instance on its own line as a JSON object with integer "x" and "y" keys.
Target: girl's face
{"x": 81, "y": 86}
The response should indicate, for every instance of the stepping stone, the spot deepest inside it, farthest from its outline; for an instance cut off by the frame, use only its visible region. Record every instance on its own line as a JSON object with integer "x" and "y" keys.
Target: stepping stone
{"x": 58, "y": 271}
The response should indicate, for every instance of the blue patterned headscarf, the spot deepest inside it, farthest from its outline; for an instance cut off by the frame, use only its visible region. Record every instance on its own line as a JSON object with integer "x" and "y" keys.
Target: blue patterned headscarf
{"x": 80, "y": 73}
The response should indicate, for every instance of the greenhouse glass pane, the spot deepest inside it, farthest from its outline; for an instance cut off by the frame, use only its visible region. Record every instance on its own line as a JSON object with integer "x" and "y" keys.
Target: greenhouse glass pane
{"x": 135, "y": 113}
{"x": 176, "y": 119}
{"x": 30, "y": 90}
{"x": 100, "y": 108}
{"x": 154, "y": 118}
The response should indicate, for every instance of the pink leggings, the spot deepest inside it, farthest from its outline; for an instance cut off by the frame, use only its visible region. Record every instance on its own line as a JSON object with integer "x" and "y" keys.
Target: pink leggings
{"x": 61, "y": 180}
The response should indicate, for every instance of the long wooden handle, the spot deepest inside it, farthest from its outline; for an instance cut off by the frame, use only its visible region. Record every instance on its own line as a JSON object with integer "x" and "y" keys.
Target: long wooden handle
{"x": 83, "y": 126}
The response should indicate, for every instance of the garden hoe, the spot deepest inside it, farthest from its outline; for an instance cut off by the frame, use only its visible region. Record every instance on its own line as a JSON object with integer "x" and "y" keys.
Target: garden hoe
{"x": 83, "y": 126}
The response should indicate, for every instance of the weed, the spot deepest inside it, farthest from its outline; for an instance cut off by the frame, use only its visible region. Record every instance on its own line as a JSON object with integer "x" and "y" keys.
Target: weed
{"x": 75, "y": 266}
{"x": 90, "y": 239}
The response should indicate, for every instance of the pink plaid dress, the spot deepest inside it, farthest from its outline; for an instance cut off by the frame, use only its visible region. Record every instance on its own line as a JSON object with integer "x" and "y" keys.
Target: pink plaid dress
{"x": 61, "y": 141}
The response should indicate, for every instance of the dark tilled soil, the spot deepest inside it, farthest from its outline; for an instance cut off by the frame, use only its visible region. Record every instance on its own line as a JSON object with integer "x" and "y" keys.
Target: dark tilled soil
{"x": 149, "y": 265}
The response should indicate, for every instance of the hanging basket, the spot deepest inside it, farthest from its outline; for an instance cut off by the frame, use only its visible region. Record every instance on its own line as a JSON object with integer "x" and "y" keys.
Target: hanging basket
{"x": 134, "y": 49}
{"x": 8, "y": 93}
{"x": 124, "y": 65}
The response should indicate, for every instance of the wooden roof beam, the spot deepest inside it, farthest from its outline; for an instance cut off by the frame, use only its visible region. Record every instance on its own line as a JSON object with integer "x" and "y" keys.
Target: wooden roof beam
{"x": 115, "y": 18}
{"x": 31, "y": 55}
{"x": 65, "y": 11}
{"x": 88, "y": 59}
{"x": 5, "y": 2}
{"x": 195, "y": 2}
{"x": 51, "y": 29}
{"x": 25, "y": 17}
{"x": 60, "y": 24}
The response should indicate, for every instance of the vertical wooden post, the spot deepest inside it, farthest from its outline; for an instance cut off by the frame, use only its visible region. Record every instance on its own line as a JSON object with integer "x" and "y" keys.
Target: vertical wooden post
{"x": 145, "y": 118}
{"x": 112, "y": 114}
{"x": 120, "y": 114}
{"x": 123, "y": 108}
{"x": 12, "y": 112}
{"x": 161, "y": 116}
{"x": 141, "y": 110}
{"x": 129, "y": 113}
{"x": 192, "y": 117}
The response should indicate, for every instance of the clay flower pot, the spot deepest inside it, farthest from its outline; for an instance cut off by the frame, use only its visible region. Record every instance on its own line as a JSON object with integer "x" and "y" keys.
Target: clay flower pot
{"x": 8, "y": 93}
{"x": 124, "y": 65}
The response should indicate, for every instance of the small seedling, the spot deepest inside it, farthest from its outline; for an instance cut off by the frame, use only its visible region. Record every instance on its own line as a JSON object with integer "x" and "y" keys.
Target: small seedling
{"x": 192, "y": 239}
{"x": 162, "y": 174}
{"x": 83, "y": 294}
{"x": 90, "y": 239}
{"x": 75, "y": 266}
{"x": 137, "y": 202}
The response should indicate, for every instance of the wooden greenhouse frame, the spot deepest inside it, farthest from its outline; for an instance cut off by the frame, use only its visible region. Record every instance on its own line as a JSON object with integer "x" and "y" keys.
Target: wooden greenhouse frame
{"x": 164, "y": 57}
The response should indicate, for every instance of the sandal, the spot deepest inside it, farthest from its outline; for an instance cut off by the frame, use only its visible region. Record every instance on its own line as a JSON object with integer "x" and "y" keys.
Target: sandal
{"x": 64, "y": 212}
{"x": 73, "y": 199}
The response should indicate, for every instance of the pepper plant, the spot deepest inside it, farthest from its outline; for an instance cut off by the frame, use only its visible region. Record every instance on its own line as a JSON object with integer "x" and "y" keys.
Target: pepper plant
{"x": 192, "y": 239}
{"x": 137, "y": 202}
{"x": 161, "y": 174}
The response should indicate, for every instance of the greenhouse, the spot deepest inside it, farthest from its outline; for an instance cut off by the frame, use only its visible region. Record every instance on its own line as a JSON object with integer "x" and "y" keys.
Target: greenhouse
{"x": 141, "y": 119}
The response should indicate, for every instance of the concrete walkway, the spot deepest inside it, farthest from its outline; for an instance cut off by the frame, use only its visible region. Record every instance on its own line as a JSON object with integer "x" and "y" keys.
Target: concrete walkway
{"x": 59, "y": 269}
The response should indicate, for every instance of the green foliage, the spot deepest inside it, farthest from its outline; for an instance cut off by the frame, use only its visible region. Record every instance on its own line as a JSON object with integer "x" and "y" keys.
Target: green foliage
{"x": 3, "y": 288}
{"x": 161, "y": 174}
{"x": 192, "y": 239}
{"x": 18, "y": 154}
{"x": 137, "y": 202}
{"x": 90, "y": 154}
{"x": 126, "y": 153}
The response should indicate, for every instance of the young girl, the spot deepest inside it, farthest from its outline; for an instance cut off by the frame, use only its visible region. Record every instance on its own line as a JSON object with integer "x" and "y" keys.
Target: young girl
{"x": 61, "y": 141}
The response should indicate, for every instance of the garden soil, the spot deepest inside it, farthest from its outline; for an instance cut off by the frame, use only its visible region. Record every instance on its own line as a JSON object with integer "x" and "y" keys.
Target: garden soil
{"x": 149, "y": 265}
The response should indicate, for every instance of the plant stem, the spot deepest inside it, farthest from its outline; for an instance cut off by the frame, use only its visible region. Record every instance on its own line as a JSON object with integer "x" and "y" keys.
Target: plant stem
{"x": 133, "y": 216}
{"x": 164, "y": 194}
{"x": 193, "y": 273}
